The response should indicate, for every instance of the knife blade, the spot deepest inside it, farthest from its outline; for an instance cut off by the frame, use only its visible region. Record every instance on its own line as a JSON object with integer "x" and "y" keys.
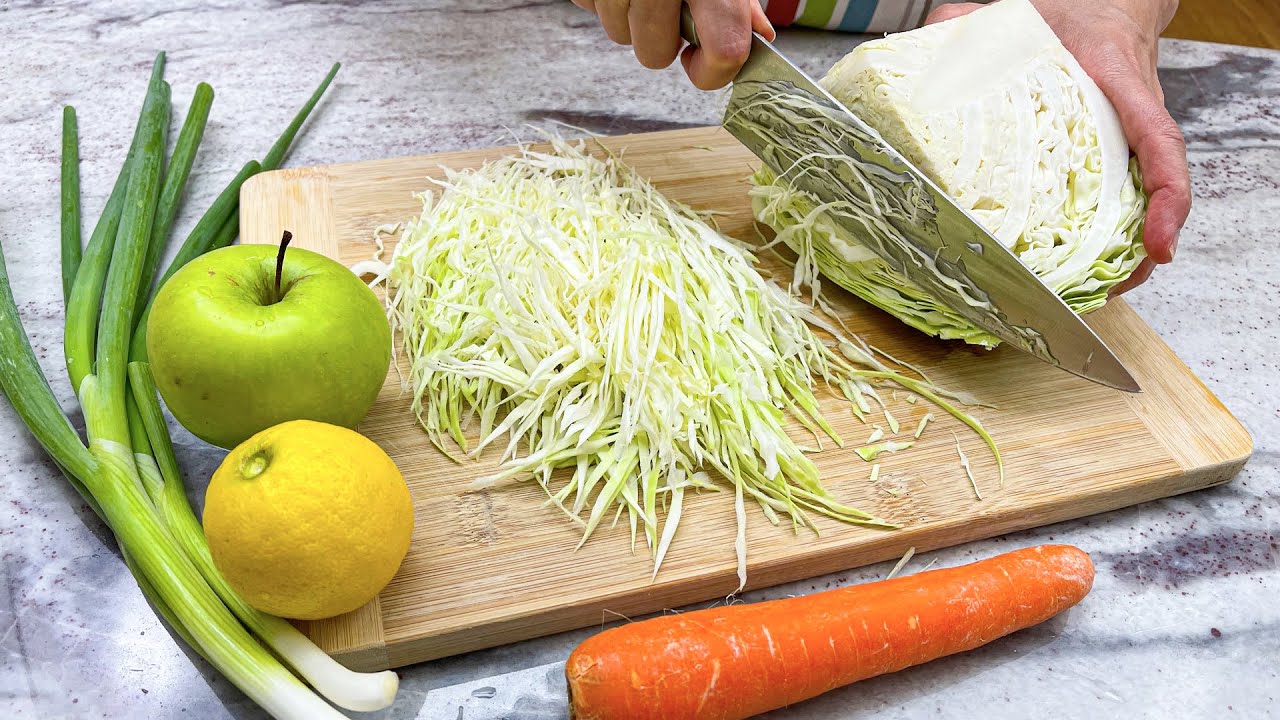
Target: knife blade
{"x": 901, "y": 215}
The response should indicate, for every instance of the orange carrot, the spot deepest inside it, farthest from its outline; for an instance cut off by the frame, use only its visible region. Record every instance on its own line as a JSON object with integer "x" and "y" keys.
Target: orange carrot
{"x": 736, "y": 661}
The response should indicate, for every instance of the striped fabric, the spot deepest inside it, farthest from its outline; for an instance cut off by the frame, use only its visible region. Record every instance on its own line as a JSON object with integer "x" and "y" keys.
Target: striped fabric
{"x": 869, "y": 16}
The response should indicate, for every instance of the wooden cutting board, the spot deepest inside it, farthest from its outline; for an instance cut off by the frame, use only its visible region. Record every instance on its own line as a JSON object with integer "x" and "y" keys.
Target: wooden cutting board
{"x": 493, "y": 567}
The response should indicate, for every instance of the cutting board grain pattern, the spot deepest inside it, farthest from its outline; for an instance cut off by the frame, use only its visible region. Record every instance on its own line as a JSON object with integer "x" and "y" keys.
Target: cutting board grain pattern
{"x": 493, "y": 567}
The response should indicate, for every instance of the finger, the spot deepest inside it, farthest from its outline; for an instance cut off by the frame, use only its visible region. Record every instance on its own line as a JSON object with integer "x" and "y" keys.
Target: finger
{"x": 613, "y": 17}
{"x": 1139, "y": 276}
{"x": 950, "y": 11}
{"x": 760, "y": 22}
{"x": 724, "y": 35}
{"x": 588, "y": 5}
{"x": 1162, "y": 158}
{"x": 655, "y": 31}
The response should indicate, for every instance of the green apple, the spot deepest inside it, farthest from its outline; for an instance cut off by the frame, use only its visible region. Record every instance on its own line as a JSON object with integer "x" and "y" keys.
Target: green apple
{"x": 236, "y": 348}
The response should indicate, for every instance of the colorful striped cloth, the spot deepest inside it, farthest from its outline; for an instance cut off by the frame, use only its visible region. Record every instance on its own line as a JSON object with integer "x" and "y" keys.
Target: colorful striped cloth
{"x": 859, "y": 16}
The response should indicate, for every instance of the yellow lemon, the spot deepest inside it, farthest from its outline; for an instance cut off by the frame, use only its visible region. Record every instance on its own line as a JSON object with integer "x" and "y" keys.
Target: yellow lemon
{"x": 308, "y": 520}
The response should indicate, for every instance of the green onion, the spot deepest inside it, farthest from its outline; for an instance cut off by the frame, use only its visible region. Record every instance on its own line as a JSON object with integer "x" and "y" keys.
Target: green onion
{"x": 175, "y": 180}
{"x": 355, "y": 691}
{"x": 127, "y": 473}
{"x": 141, "y": 536}
{"x": 277, "y": 152}
{"x": 121, "y": 289}
{"x": 28, "y": 391}
{"x": 227, "y": 233}
{"x": 71, "y": 251}
{"x": 81, "y": 322}
{"x": 86, "y": 292}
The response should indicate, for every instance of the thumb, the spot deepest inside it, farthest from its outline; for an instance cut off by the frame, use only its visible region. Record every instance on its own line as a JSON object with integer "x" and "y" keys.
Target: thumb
{"x": 950, "y": 11}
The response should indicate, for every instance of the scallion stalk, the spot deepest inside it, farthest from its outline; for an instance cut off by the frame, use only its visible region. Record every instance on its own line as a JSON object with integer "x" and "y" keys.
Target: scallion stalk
{"x": 227, "y": 233}
{"x": 115, "y": 326}
{"x": 81, "y": 321}
{"x": 71, "y": 250}
{"x": 175, "y": 181}
{"x": 135, "y": 526}
{"x": 362, "y": 692}
{"x": 127, "y": 473}
{"x": 278, "y": 150}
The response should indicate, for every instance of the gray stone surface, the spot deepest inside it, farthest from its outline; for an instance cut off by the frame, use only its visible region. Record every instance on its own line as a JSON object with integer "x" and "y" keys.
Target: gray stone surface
{"x": 1183, "y": 621}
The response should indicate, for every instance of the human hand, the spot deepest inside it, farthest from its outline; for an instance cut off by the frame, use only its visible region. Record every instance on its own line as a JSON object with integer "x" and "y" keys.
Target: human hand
{"x": 652, "y": 28}
{"x": 1115, "y": 41}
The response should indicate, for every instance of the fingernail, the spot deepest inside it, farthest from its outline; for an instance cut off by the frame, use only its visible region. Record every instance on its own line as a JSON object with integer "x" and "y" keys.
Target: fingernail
{"x": 1173, "y": 247}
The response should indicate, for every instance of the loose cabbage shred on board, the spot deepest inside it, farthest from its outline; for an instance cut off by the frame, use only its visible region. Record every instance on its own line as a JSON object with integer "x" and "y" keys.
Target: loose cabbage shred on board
{"x": 556, "y": 305}
{"x": 998, "y": 113}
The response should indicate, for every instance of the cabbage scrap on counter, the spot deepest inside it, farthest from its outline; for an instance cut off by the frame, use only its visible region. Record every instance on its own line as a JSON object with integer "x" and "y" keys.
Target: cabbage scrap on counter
{"x": 558, "y": 306}
{"x": 994, "y": 110}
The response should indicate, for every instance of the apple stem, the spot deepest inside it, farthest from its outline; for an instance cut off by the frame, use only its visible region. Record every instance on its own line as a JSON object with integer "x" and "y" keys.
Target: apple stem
{"x": 284, "y": 243}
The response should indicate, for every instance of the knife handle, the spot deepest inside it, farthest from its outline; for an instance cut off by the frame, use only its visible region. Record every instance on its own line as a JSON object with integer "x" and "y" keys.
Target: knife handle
{"x": 687, "y": 30}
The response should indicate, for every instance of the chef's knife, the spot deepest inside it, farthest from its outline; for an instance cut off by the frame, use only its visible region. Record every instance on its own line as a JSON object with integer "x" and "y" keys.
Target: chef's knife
{"x": 901, "y": 215}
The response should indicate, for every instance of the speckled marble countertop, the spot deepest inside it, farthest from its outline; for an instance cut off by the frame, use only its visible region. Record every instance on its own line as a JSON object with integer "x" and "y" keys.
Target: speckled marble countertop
{"x": 1183, "y": 620}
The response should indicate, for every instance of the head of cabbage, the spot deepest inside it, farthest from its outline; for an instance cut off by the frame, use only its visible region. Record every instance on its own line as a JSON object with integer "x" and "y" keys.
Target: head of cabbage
{"x": 998, "y": 113}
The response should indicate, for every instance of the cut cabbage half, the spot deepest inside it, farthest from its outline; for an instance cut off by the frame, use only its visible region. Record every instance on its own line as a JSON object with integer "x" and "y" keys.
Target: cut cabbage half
{"x": 993, "y": 109}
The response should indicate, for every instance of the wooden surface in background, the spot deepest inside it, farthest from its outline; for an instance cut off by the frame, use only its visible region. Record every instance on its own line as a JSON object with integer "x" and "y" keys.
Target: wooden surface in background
{"x": 493, "y": 567}
{"x": 1238, "y": 22}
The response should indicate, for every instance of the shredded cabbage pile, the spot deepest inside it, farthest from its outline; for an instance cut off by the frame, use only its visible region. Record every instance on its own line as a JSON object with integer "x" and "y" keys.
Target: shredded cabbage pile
{"x": 995, "y": 111}
{"x": 557, "y": 305}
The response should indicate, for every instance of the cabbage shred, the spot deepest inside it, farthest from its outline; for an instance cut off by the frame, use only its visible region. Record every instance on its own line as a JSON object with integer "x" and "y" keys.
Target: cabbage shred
{"x": 558, "y": 306}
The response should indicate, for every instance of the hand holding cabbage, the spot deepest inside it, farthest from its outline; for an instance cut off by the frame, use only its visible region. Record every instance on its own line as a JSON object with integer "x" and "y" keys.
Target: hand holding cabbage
{"x": 1115, "y": 41}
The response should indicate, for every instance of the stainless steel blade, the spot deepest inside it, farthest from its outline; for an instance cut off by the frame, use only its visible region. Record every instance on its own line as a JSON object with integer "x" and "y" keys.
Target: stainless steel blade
{"x": 893, "y": 209}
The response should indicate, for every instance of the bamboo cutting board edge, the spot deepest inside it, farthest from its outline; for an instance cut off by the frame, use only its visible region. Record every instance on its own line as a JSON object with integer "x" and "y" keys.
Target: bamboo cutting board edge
{"x": 325, "y": 206}
{"x": 375, "y": 651}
